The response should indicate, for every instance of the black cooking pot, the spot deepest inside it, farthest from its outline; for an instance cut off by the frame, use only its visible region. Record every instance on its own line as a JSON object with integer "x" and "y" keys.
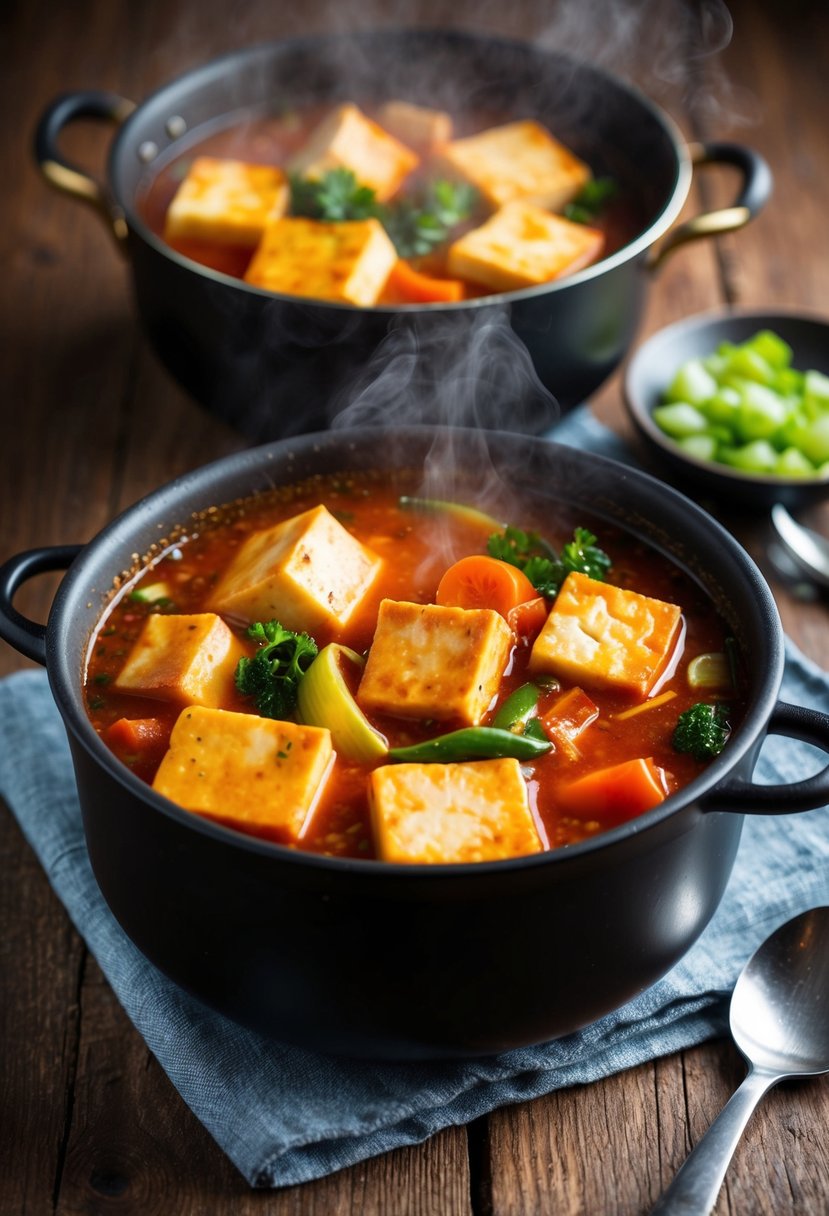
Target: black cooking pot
{"x": 275, "y": 365}
{"x": 418, "y": 961}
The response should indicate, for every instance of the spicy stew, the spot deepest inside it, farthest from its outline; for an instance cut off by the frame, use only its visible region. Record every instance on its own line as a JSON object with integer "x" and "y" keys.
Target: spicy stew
{"x": 595, "y": 753}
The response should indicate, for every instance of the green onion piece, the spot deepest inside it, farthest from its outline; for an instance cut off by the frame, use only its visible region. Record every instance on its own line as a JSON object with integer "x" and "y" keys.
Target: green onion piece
{"x": 709, "y": 671}
{"x": 438, "y": 506}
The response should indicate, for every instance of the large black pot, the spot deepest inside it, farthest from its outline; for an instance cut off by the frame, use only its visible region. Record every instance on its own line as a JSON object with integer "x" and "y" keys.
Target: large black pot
{"x": 401, "y": 961}
{"x": 274, "y": 365}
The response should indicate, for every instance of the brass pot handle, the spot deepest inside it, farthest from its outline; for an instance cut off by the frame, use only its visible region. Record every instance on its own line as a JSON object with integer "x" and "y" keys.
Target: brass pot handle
{"x": 753, "y": 195}
{"x": 61, "y": 173}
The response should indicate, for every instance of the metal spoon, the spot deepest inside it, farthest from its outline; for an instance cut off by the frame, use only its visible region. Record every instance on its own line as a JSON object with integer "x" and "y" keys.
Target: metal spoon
{"x": 809, "y": 551}
{"x": 780, "y": 1022}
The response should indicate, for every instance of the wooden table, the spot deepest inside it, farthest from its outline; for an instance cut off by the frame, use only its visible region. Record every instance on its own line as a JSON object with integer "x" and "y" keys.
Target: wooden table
{"x": 91, "y": 422}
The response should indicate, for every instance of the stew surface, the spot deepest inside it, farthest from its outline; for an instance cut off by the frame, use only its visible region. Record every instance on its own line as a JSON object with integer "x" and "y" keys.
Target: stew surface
{"x": 422, "y": 274}
{"x": 589, "y": 726}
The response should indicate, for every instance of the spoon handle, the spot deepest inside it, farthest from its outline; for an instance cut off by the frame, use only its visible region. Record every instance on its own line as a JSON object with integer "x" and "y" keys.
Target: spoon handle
{"x": 696, "y": 1186}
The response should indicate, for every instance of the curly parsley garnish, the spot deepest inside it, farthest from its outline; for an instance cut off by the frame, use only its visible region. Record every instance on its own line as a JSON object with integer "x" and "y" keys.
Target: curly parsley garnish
{"x": 416, "y": 225}
{"x": 546, "y": 569}
{"x": 272, "y": 676}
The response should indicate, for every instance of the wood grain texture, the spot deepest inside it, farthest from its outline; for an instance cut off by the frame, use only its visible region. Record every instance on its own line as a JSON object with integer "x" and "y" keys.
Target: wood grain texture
{"x": 90, "y": 422}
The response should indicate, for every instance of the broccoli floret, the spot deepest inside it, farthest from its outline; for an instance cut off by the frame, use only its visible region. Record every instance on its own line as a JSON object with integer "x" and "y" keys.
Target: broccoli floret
{"x": 702, "y": 731}
{"x": 272, "y": 676}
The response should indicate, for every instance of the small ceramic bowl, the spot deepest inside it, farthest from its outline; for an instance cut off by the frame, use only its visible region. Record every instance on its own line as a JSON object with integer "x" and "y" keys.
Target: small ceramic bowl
{"x": 652, "y": 368}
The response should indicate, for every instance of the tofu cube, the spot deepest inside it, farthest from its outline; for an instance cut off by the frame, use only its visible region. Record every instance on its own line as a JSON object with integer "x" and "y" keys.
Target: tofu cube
{"x": 347, "y": 139}
{"x": 606, "y": 637}
{"x": 185, "y": 659}
{"x": 521, "y": 246}
{"x": 348, "y": 261}
{"x": 520, "y": 160}
{"x": 418, "y": 127}
{"x": 431, "y": 813}
{"x": 307, "y": 572}
{"x": 226, "y": 202}
{"x": 429, "y": 661}
{"x": 250, "y": 773}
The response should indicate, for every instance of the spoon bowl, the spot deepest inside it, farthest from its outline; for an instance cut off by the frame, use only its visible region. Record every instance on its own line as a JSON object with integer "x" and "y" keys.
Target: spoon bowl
{"x": 780, "y": 1021}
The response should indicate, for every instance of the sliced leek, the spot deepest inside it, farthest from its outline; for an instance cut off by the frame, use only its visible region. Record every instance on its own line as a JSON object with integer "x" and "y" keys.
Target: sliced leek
{"x": 324, "y": 699}
{"x": 151, "y": 593}
{"x": 710, "y": 671}
{"x": 438, "y": 506}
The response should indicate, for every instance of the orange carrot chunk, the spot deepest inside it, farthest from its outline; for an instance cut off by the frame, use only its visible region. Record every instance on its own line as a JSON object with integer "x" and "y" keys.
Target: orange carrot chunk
{"x": 567, "y": 718}
{"x": 484, "y": 582}
{"x": 133, "y": 735}
{"x": 614, "y": 795}
{"x": 411, "y": 286}
{"x": 526, "y": 619}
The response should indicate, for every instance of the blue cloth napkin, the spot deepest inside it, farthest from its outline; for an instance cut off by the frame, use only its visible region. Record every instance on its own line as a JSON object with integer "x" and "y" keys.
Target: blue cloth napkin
{"x": 284, "y": 1115}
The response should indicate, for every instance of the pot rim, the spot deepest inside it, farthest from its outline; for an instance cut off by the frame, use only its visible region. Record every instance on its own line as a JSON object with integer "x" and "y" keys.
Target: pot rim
{"x": 65, "y": 665}
{"x": 633, "y": 249}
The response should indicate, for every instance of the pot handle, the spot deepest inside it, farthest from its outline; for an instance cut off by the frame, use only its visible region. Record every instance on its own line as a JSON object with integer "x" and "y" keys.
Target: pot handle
{"x": 61, "y": 173}
{"x": 754, "y": 194}
{"x": 27, "y": 636}
{"x": 746, "y": 798}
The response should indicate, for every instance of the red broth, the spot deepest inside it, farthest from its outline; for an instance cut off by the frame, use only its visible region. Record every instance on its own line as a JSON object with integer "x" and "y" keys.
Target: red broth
{"x": 423, "y": 545}
{"x": 273, "y": 140}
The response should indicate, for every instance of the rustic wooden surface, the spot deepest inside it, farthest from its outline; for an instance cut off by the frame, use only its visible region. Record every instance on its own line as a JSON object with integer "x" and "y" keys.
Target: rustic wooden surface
{"x": 88, "y": 1122}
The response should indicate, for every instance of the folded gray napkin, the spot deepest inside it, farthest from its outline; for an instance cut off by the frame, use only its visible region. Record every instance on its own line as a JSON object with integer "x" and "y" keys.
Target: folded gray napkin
{"x": 284, "y": 1115}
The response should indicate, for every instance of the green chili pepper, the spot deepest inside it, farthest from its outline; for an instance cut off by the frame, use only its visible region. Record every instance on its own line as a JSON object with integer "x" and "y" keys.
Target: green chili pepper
{"x": 472, "y": 743}
{"x": 518, "y": 709}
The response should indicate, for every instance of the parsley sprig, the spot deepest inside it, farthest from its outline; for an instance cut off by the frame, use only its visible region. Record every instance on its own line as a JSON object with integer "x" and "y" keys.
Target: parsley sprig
{"x": 416, "y": 225}
{"x": 591, "y": 200}
{"x": 272, "y": 676}
{"x": 546, "y": 569}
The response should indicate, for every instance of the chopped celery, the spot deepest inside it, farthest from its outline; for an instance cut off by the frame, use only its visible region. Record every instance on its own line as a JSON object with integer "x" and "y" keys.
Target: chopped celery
{"x": 756, "y": 457}
{"x": 701, "y": 447}
{"x": 792, "y": 463}
{"x": 745, "y": 406}
{"x": 815, "y": 393}
{"x": 692, "y": 383}
{"x": 761, "y": 412}
{"x": 679, "y": 419}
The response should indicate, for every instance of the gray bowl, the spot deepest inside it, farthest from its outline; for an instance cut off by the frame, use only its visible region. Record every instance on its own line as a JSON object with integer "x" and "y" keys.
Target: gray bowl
{"x": 652, "y": 367}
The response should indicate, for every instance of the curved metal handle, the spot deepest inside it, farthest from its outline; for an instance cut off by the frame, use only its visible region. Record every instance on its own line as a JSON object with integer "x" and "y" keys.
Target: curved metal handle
{"x": 753, "y": 195}
{"x": 61, "y": 173}
{"x": 27, "y": 636}
{"x": 746, "y": 798}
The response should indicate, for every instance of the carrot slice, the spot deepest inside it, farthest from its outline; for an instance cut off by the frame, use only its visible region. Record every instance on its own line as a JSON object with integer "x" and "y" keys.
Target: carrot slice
{"x": 614, "y": 795}
{"x": 411, "y": 286}
{"x": 565, "y": 721}
{"x": 484, "y": 582}
{"x": 526, "y": 619}
{"x": 131, "y": 735}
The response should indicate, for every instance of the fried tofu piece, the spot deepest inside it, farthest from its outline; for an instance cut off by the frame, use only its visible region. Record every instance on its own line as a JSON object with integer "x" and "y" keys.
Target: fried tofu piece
{"x": 308, "y": 572}
{"x": 185, "y": 659}
{"x": 418, "y": 127}
{"x": 348, "y": 261}
{"x": 519, "y": 160}
{"x": 251, "y": 773}
{"x": 429, "y": 661}
{"x": 226, "y": 202}
{"x": 521, "y": 246}
{"x": 478, "y": 811}
{"x": 347, "y": 139}
{"x": 606, "y": 637}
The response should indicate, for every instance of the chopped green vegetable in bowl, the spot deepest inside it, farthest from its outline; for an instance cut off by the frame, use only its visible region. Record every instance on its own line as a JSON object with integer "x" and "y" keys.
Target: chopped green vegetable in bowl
{"x": 738, "y": 403}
